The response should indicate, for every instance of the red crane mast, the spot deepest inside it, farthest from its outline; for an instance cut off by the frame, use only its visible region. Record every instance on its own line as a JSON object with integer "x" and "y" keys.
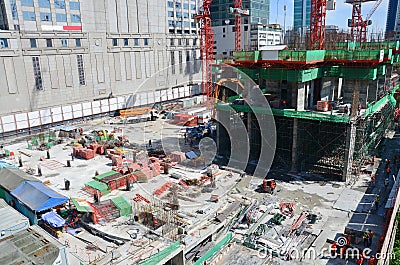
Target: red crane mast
{"x": 317, "y": 24}
{"x": 206, "y": 51}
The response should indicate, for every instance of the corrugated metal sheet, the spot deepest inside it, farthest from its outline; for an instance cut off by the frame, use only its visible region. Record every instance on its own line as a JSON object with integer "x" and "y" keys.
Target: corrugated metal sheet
{"x": 37, "y": 196}
{"x": 11, "y": 220}
{"x": 11, "y": 178}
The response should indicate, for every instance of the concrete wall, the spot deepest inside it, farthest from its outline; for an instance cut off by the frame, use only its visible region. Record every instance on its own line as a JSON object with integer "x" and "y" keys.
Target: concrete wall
{"x": 109, "y": 69}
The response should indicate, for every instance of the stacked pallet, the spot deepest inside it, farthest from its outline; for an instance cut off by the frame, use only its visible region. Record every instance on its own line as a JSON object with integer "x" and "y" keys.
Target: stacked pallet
{"x": 84, "y": 153}
{"x": 177, "y": 156}
{"x": 163, "y": 188}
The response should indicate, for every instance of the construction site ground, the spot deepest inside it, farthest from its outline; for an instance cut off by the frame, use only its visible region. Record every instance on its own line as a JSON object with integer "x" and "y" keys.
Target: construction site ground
{"x": 336, "y": 204}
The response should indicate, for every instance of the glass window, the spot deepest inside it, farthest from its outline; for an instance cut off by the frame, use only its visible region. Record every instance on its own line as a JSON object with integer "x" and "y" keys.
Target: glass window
{"x": 170, "y": 13}
{"x": 81, "y": 70}
{"x": 126, "y": 42}
{"x": 33, "y": 43}
{"x": 44, "y": 3}
{"x": 178, "y": 5}
{"x": 64, "y": 43}
{"x": 75, "y": 18}
{"x": 185, "y": 15}
{"x": 170, "y": 4}
{"x": 146, "y": 42}
{"x": 30, "y": 16}
{"x": 3, "y": 43}
{"x": 193, "y": 7}
{"x": 49, "y": 43}
{"x": 179, "y": 14}
{"x": 171, "y": 23}
{"x": 179, "y": 24}
{"x": 37, "y": 73}
{"x": 61, "y": 17}
{"x": 78, "y": 43}
{"x": 45, "y": 16}
{"x": 74, "y": 6}
{"x": 136, "y": 42}
{"x": 172, "y": 42}
{"x": 14, "y": 9}
{"x": 185, "y": 6}
{"x": 186, "y": 24}
{"x": 59, "y": 4}
{"x": 115, "y": 42}
{"x": 26, "y": 2}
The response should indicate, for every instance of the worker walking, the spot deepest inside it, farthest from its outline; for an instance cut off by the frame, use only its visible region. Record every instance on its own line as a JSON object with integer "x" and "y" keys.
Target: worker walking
{"x": 372, "y": 260}
{"x": 371, "y": 235}
{"x": 377, "y": 199}
{"x": 388, "y": 170}
{"x": 372, "y": 183}
{"x": 386, "y": 183}
{"x": 366, "y": 239}
{"x": 333, "y": 249}
{"x": 273, "y": 186}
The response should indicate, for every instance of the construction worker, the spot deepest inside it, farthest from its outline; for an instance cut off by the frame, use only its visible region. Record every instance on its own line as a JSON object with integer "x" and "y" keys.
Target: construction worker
{"x": 371, "y": 235}
{"x": 377, "y": 199}
{"x": 366, "y": 239}
{"x": 348, "y": 240}
{"x": 372, "y": 260}
{"x": 388, "y": 170}
{"x": 359, "y": 109}
{"x": 273, "y": 186}
{"x": 360, "y": 260}
{"x": 346, "y": 109}
{"x": 333, "y": 249}
{"x": 386, "y": 183}
{"x": 372, "y": 181}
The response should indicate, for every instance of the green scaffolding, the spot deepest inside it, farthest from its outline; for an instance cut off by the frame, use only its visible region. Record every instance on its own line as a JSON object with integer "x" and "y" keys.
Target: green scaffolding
{"x": 160, "y": 256}
{"x": 212, "y": 252}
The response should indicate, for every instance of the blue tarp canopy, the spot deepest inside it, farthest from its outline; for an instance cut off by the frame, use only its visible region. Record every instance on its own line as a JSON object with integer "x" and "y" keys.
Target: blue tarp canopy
{"x": 4, "y": 164}
{"x": 37, "y": 196}
{"x": 53, "y": 219}
{"x": 191, "y": 155}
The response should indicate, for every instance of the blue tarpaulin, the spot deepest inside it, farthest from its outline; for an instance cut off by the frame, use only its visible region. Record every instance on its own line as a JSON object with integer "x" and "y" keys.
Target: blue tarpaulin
{"x": 191, "y": 155}
{"x": 37, "y": 196}
{"x": 4, "y": 164}
{"x": 53, "y": 219}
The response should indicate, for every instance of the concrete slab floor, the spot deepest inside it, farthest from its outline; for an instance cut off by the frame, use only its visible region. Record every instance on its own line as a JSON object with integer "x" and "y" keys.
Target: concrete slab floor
{"x": 337, "y": 204}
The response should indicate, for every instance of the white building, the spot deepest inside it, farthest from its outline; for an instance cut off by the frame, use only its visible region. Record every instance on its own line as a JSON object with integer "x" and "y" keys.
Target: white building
{"x": 254, "y": 37}
{"x": 66, "y": 59}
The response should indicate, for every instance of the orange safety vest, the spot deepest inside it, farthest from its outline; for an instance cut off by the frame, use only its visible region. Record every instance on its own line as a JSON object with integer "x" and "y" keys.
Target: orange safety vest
{"x": 371, "y": 234}
{"x": 371, "y": 261}
{"x": 360, "y": 261}
{"x": 373, "y": 179}
{"x": 388, "y": 170}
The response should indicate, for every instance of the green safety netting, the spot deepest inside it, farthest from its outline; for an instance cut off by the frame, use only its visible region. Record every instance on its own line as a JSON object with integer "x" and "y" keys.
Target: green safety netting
{"x": 310, "y": 115}
{"x": 301, "y": 56}
{"x": 107, "y": 174}
{"x": 103, "y": 188}
{"x": 124, "y": 207}
{"x": 356, "y": 55}
{"x": 215, "y": 249}
{"x": 246, "y": 55}
{"x": 81, "y": 205}
{"x": 162, "y": 254}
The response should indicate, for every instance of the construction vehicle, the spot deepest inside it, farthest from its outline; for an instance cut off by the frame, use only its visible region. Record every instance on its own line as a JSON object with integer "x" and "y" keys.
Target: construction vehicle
{"x": 269, "y": 185}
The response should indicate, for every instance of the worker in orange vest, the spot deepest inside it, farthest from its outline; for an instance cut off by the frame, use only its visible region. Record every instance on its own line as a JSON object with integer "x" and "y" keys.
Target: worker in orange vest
{"x": 388, "y": 170}
{"x": 360, "y": 260}
{"x": 155, "y": 222}
{"x": 373, "y": 181}
{"x": 372, "y": 260}
{"x": 371, "y": 235}
{"x": 333, "y": 249}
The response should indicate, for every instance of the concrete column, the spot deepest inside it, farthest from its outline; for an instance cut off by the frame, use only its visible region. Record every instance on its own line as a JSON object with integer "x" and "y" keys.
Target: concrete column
{"x": 299, "y": 95}
{"x": 349, "y": 151}
{"x": 294, "y": 146}
{"x": 178, "y": 259}
{"x": 373, "y": 88}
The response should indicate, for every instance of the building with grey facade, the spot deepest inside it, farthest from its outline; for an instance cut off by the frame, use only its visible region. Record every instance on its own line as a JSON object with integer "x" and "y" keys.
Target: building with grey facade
{"x": 69, "y": 59}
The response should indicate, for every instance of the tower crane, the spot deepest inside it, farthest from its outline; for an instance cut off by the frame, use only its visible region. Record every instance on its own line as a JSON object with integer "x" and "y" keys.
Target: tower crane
{"x": 238, "y": 12}
{"x": 357, "y": 24}
{"x": 317, "y": 24}
{"x": 206, "y": 50}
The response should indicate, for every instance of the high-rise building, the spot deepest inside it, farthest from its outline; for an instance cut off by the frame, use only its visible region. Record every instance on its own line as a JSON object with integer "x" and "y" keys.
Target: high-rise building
{"x": 258, "y": 12}
{"x": 301, "y": 19}
{"x": 66, "y": 59}
{"x": 392, "y": 21}
{"x": 256, "y": 32}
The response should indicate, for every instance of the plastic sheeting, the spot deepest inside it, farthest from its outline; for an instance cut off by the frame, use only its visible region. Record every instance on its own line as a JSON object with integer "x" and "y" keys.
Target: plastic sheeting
{"x": 53, "y": 219}
{"x": 37, "y": 196}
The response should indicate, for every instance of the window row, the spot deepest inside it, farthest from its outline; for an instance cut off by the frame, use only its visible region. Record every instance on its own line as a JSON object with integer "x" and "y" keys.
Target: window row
{"x": 180, "y": 14}
{"x": 30, "y": 16}
{"x": 37, "y": 73}
{"x": 179, "y": 24}
{"x": 179, "y": 5}
{"x": 126, "y": 42}
{"x": 49, "y": 43}
{"x": 182, "y": 41}
{"x": 58, "y": 4}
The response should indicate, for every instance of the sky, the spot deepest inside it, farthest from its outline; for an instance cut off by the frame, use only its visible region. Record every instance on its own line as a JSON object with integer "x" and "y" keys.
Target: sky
{"x": 336, "y": 17}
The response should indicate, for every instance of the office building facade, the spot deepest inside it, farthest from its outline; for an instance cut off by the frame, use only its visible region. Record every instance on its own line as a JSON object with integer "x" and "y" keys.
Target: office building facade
{"x": 392, "y": 21}
{"x": 67, "y": 59}
{"x": 301, "y": 19}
